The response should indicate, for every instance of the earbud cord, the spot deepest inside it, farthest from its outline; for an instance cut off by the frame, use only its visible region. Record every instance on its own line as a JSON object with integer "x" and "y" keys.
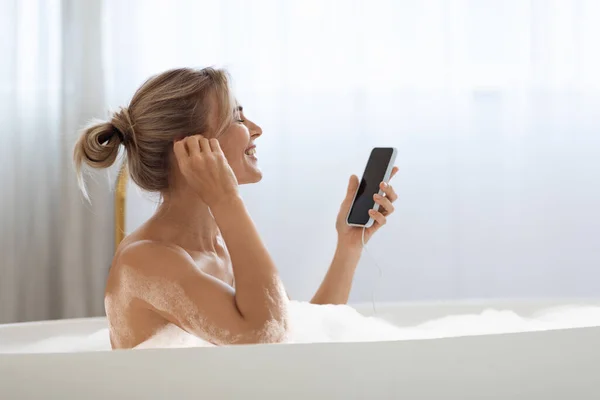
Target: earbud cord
{"x": 376, "y": 286}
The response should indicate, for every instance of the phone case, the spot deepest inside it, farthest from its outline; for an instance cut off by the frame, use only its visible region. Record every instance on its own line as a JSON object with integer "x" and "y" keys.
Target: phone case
{"x": 386, "y": 179}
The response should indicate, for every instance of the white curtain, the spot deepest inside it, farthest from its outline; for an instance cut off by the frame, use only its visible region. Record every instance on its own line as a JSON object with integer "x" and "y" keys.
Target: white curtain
{"x": 492, "y": 104}
{"x": 55, "y": 249}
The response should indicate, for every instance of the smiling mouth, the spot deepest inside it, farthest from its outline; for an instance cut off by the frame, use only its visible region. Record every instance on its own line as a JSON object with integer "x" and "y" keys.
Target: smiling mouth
{"x": 251, "y": 151}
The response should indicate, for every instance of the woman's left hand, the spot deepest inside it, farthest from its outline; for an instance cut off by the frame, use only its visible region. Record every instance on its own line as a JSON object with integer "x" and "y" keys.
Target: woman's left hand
{"x": 351, "y": 236}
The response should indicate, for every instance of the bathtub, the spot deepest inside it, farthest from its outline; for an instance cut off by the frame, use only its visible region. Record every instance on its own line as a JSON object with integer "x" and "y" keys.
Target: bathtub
{"x": 552, "y": 364}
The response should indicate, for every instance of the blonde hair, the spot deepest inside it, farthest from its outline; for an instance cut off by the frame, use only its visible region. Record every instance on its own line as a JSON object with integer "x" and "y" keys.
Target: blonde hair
{"x": 167, "y": 107}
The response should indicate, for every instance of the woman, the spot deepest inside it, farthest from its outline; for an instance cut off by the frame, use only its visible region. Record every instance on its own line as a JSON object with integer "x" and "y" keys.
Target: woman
{"x": 198, "y": 262}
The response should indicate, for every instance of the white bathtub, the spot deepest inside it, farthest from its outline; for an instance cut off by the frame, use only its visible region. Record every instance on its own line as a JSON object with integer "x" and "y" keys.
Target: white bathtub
{"x": 554, "y": 364}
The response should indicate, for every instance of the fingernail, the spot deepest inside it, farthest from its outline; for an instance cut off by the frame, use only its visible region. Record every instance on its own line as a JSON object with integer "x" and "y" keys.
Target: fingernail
{"x": 385, "y": 185}
{"x": 377, "y": 196}
{"x": 371, "y": 211}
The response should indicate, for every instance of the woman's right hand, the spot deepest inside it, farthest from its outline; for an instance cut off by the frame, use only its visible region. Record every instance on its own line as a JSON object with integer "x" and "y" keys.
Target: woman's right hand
{"x": 205, "y": 168}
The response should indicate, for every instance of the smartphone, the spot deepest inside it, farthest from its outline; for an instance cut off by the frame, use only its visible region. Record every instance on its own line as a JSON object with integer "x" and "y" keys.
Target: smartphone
{"x": 378, "y": 169}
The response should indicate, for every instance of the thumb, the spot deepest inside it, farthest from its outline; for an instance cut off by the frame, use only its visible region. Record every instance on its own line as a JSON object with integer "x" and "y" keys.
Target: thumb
{"x": 352, "y": 187}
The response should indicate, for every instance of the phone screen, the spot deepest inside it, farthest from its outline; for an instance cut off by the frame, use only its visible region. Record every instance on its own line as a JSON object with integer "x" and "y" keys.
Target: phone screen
{"x": 374, "y": 174}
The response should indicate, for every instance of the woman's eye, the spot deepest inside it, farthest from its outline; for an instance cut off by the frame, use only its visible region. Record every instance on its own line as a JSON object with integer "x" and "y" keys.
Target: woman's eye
{"x": 241, "y": 121}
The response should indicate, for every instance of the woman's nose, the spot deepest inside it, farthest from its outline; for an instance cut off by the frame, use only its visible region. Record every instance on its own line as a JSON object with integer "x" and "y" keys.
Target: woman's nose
{"x": 255, "y": 130}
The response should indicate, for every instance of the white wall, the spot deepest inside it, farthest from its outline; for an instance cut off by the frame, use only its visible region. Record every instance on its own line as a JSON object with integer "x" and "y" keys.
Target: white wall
{"x": 492, "y": 105}
{"x": 491, "y": 204}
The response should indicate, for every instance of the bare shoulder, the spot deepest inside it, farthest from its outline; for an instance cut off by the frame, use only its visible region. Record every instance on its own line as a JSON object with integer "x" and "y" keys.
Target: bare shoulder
{"x": 151, "y": 258}
{"x": 149, "y": 271}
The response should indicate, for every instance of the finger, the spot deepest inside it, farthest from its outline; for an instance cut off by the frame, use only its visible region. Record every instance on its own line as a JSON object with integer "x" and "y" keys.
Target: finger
{"x": 394, "y": 172}
{"x": 192, "y": 146}
{"x": 389, "y": 191}
{"x": 180, "y": 151}
{"x": 384, "y": 202}
{"x": 378, "y": 217}
{"x": 214, "y": 145}
{"x": 352, "y": 186}
{"x": 204, "y": 144}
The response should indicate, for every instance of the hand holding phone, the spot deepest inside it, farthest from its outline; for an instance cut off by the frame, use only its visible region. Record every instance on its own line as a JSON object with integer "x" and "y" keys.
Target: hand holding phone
{"x": 379, "y": 169}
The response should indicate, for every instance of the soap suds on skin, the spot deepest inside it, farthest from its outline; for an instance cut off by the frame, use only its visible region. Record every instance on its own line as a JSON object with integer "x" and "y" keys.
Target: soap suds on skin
{"x": 165, "y": 296}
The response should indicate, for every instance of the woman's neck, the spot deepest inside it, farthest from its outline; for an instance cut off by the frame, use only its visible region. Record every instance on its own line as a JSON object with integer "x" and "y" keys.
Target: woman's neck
{"x": 188, "y": 220}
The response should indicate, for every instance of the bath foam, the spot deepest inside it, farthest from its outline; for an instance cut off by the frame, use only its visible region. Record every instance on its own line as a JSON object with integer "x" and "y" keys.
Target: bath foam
{"x": 173, "y": 336}
{"x": 311, "y": 323}
{"x": 97, "y": 341}
{"x": 339, "y": 323}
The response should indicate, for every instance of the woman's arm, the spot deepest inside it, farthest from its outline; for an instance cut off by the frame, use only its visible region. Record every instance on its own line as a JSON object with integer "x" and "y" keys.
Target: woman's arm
{"x": 337, "y": 283}
{"x": 166, "y": 280}
{"x": 259, "y": 291}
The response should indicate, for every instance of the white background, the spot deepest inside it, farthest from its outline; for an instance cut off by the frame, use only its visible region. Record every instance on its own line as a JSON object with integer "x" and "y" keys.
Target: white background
{"x": 493, "y": 105}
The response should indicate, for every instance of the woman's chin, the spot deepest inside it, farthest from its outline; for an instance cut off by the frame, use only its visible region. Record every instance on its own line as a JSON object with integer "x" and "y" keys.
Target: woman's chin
{"x": 254, "y": 176}
{"x": 257, "y": 176}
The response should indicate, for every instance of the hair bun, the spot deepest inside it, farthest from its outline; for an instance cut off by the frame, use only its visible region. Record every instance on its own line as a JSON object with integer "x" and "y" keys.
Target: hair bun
{"x": 98, "y": 146}
{"x": 106, "y": 136}
{"x": 123, "y": 125}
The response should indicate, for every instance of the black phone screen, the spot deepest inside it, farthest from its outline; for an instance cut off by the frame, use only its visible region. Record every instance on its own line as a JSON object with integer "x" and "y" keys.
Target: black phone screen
{"x": 374, "y": 174}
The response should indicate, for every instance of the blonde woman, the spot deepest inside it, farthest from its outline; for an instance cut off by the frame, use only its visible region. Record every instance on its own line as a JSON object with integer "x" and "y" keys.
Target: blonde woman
{"x": 198, "y": 263}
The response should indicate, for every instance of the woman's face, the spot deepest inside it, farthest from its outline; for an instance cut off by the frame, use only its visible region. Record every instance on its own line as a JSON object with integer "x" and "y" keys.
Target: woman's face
{"x": 237, "y": 143}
